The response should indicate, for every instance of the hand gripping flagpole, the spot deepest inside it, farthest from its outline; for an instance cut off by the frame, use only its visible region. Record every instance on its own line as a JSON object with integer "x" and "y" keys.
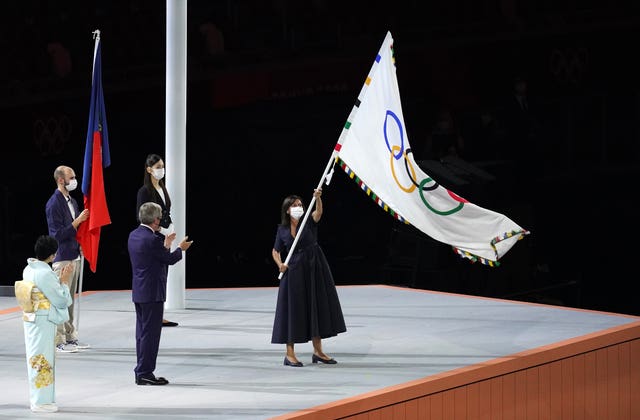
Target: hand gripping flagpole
{"x": 326, "y": 175}
{"x": 328, "y": 171}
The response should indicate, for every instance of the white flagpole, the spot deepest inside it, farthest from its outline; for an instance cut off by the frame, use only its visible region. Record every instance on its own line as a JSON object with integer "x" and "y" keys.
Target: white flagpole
{"x": 77, "y": 303}
{"x": 326, "y": 175}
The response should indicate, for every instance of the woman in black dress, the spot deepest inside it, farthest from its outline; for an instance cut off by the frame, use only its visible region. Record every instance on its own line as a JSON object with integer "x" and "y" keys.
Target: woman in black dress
{"x": 308, "y": 307}
{"x": 153, "y": 189}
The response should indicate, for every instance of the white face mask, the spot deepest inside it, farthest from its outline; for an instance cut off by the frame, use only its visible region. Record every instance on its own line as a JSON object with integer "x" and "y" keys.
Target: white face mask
{"x": 71, "y": 185}
{"x": 296, "y": 212}
{"x": 158, "y": 173}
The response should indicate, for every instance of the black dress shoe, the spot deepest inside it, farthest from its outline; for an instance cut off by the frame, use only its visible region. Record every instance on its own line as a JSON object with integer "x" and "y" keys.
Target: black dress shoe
{"x": 140, "y": 380}
{"x": 315, "y": 359}
{"x": 169, "y": 324}
{"x": 288, "y": 362}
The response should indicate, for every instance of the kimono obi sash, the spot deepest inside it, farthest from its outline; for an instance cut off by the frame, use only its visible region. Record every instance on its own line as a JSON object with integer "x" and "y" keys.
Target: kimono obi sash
{"x": 39, "y": 300}
{"x": 30, "y": 299}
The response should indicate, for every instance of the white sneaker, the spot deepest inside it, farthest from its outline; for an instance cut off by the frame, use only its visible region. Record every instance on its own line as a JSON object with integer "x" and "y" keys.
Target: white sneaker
{"x": 79, "y": 345}
{"x": 44, "y": 408}
{"x": 66, "y": 348}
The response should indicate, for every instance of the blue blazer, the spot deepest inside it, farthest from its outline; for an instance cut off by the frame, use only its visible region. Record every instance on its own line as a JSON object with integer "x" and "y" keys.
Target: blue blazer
{"x": 59, "y": 223}
{"x": 150, "y": 261}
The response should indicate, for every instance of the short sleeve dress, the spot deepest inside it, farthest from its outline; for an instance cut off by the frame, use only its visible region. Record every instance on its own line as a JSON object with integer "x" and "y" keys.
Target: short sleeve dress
{"x": 308, "y": 305}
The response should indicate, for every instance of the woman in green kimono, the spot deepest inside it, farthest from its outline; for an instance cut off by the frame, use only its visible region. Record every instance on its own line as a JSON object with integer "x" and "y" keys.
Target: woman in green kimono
{"x": 47, "y": 303}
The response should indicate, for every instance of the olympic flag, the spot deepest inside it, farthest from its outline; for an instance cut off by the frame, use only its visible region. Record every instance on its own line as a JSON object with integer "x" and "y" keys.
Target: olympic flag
{"x": 373, "y": 149}
{"x": 96, "y": 157}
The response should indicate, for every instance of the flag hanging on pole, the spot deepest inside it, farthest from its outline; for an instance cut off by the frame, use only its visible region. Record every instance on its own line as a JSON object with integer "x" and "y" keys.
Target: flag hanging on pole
{"x": 96, "y": 157}
{"x": 373, "y": 149}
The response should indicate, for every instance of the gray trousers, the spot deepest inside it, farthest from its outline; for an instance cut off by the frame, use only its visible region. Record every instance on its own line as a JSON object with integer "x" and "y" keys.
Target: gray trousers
{"x": 67, "y": 331}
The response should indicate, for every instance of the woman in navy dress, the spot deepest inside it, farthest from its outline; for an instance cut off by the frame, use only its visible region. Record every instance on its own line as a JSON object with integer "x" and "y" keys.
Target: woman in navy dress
{"x": 308, "y": 308}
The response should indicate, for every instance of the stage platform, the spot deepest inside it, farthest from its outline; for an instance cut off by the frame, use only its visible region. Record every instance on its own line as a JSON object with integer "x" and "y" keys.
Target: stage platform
{"x": 407, "y": 353}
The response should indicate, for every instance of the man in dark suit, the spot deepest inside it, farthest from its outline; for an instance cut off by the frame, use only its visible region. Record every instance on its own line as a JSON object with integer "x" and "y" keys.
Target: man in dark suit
{"x": 150, "y": 254}
{"x": 63, "y": 220}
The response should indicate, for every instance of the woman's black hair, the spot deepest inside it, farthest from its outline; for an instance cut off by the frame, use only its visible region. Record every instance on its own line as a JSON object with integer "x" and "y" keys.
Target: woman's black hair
{"x": 151, "y": 160}
{"x": 285, "y": 219}
{"x": 45, "y": 247}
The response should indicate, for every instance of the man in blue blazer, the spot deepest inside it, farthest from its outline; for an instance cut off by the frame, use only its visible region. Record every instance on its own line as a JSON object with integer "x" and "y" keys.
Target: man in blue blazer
{"x": 150, "y": 254}
{"x": 63, "y": 220}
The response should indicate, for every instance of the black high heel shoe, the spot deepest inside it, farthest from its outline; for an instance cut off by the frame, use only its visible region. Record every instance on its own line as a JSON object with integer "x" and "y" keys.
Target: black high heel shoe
{"x": 315, "y": 359}
{"x": 288, "y": 362}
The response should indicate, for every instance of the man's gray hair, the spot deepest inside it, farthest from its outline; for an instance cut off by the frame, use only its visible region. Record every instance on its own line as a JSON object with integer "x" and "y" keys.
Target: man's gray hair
{"x": 149, "y": 212}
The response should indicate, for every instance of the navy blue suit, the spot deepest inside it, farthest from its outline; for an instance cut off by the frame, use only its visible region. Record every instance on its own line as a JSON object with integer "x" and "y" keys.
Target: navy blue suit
{"x": 59, "y": 223}
{"x": 59, "y": 219}
{"x": 150, "y": 261}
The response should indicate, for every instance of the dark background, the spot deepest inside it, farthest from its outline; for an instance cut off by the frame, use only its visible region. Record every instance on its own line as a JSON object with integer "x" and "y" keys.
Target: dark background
{"x": 264, "y": 112}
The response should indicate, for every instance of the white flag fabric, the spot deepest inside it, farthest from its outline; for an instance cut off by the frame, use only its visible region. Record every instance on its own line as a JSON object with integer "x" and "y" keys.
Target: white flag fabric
{"x": 374, "y": 150}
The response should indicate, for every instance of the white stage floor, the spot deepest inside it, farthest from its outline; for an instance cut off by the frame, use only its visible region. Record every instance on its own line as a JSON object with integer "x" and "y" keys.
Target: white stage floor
{"x": 222, "y": 365}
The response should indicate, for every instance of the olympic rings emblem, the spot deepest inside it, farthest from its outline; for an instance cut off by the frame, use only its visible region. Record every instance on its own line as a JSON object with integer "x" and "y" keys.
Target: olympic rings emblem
{"x": 396, "y": 152}
{"x": 51, "y": 134}
{"x": 569, "y": 65}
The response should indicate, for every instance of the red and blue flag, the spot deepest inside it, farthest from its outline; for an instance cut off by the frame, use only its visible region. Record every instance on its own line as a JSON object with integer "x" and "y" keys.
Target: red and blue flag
{"x": 96, "y": 158}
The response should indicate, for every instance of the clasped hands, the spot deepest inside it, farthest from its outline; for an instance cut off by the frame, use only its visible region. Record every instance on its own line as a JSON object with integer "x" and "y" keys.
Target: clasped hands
{"x": 65, "y": 273}
{"x": 183, "y": 245}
